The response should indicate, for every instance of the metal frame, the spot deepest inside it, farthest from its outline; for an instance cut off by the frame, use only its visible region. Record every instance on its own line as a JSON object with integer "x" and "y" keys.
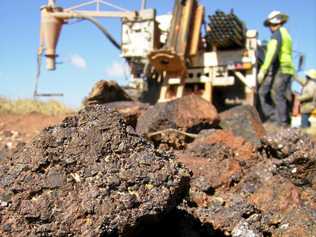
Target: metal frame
{"x": 98, "y": 4}
{"x": 76, "y": 11}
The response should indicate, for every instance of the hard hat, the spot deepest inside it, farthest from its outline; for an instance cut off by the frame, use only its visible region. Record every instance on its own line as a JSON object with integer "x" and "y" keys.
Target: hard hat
{"x": 275, "y": 18}
{"x": 311, "y": 74}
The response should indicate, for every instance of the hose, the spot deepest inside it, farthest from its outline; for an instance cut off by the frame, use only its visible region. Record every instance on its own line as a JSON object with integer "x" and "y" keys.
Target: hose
{"x": 39, "y": 56}
{"x": 102, "y": 29}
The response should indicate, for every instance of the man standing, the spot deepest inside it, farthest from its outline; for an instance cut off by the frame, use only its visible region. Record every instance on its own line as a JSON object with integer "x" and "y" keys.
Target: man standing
{"x": 279, "y": 65}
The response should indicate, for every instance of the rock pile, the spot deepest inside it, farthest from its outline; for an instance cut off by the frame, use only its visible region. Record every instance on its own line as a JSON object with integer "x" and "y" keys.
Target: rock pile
{"x": 93, "y": 175}
{"x": 242, "y": 191}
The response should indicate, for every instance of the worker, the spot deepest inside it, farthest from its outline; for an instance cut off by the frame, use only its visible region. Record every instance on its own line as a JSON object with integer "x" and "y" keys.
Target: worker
{"x": 279, "y": 65}
{"x": 307, "y": 97}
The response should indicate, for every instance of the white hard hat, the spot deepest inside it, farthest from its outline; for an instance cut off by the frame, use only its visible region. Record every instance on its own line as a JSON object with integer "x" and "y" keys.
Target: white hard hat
{"x": 311, "y": 74}
{"x": 275, "y": 18}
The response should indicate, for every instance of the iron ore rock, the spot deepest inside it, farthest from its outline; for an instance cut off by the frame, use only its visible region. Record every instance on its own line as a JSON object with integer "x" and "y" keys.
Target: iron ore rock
{"x": 91, "y": 175}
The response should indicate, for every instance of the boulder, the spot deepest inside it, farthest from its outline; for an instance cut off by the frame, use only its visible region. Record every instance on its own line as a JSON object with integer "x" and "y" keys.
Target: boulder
{"x": 243, "y": 121}
{"x": 104, "y": 92}
{"x": 188, "y": 114}
{"x": 91, "y": 175}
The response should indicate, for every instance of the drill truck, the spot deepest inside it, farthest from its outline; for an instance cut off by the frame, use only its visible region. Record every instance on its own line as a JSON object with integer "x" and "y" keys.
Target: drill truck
{"x": 172, "y": 55}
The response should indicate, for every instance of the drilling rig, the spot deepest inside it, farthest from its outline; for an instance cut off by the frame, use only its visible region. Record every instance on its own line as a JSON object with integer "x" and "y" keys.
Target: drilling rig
{"x": 171, "y": 55}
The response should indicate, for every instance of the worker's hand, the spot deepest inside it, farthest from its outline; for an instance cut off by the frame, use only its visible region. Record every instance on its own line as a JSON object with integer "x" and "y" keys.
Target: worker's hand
{"x": 260, "y": 77}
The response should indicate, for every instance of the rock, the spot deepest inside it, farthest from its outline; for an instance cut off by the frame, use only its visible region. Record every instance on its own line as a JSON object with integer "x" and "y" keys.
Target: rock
{"x": 205, "y": 145}
{"x": 285, "y": 214}
{"x": 244, "y": 230}
{"x": 219, "y": 171}
{"x": 295, "y": 153}
{"x": 105, "y": 92}
{"x": 224, "y": 216}
{"x": 188, "y": 114}
{"x": 91, "y": 175}
{"x": 218, "y": 160}
{"x": 243, "y": 121}
{"x": 250, "y": 194}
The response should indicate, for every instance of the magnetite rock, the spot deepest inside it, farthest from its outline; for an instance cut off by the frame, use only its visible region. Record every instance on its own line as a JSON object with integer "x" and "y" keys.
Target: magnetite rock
{"x": 105, "y": 92}
{"x": 91, "y": 175}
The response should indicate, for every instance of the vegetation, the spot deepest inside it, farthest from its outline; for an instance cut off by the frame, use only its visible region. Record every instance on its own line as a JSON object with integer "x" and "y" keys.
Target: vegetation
{"x": 26, "y": 106}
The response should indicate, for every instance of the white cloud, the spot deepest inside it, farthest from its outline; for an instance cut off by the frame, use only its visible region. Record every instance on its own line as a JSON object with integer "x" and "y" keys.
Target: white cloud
{"x": 78, "y": 61}
{"x": 117, "y": 70}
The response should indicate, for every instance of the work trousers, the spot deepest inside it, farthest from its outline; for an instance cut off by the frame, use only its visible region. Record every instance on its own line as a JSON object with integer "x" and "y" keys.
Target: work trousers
{"x": 275, "y": 98}
{"x": 281, "y": 96}
{"x": 265, "y": 98}
{"x": 305, "y": 120}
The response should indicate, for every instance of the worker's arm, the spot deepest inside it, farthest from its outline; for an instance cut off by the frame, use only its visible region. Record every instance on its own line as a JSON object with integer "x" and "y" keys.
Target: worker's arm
{"x": 307, "y": 96}
{"x": 270, "y": 55}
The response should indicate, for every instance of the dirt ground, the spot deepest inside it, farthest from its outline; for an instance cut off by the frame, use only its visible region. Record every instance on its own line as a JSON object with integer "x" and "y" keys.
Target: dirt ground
{"x": 17, "y": 129}
{"x": 29, "y": 124}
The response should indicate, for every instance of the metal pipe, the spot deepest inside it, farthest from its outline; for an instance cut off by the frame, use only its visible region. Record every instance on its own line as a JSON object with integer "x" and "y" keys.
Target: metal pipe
{"x": 84, "y": 4}
{"x": 51, "y": 3}
{"x": 78, "y": 14}
{"x": 144, "y": 5}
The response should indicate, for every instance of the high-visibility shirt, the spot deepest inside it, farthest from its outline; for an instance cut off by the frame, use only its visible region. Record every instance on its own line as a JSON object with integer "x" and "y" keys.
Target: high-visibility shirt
{"x": 279, "y": 53}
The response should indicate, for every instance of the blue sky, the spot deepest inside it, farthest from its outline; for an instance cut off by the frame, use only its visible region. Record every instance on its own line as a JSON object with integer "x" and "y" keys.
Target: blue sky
{"x": 87, "y": 57}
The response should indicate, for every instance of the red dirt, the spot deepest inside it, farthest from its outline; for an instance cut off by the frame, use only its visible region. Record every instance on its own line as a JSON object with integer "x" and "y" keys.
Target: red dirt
{"x": 29, "y": 124}
{"x": 15, "y": 129}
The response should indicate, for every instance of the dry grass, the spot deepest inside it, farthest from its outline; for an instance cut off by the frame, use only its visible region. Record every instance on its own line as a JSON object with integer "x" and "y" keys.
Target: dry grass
{"x": 26, "y": 106}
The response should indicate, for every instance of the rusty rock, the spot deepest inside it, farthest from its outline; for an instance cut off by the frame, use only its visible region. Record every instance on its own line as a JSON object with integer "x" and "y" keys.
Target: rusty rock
{"x": 243, "y": 121}
{"x": 188, "y": 114}
{"x": 104, "y": 92}
{"x": 242, "y": 150}
{"x": 91, "y": 175}
{"x": 219, "y": 167}
{"x": 249, "y": 195}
